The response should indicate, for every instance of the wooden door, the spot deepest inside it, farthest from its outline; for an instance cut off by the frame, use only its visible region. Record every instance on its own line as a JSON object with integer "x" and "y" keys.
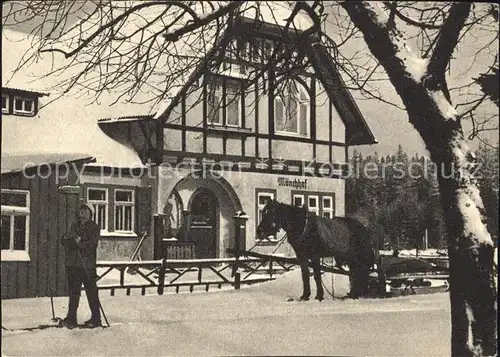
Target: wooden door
{"x": 204, "y": 224}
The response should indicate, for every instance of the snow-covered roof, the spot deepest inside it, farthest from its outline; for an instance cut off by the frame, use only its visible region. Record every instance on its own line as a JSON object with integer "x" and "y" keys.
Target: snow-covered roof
{"x": 126, "y": 118}
{"x": 24, "y": 92}
{"x": 67, "y": 125}
{"x": 21, "y": 161}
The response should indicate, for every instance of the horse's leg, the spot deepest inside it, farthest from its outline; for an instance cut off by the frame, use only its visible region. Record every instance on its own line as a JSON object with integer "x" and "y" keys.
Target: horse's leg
{"x": 317, "y": 278}
{"x": 304, "y": 267}
{"x": 354, "y": 281}
{"x": 364, "y": 280}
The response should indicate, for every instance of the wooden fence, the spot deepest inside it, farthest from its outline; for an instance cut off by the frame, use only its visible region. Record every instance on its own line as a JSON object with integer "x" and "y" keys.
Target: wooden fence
{"x": 248, "y": 268}
{"x": 178, "y": 273}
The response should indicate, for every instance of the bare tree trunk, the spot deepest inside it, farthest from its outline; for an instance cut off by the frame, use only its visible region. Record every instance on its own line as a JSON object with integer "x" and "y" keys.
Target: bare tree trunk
{"x": 422, "y": 87}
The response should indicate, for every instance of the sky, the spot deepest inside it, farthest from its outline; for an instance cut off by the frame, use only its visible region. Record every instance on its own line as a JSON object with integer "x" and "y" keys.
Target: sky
{"x": 390, "y": 125}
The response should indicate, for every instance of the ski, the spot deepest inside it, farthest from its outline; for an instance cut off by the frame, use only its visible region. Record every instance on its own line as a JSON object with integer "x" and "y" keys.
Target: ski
{"x": 58, "y": 323}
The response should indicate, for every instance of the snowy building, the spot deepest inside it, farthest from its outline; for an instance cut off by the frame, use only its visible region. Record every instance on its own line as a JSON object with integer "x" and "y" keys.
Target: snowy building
{"x": 222, "y": 144}
{"x": 180, "y": 170}
{"x": 48, "y": 144}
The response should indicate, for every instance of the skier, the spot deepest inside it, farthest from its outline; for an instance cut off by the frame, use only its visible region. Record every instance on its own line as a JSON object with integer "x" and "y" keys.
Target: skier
{"x": 81, "y": 252}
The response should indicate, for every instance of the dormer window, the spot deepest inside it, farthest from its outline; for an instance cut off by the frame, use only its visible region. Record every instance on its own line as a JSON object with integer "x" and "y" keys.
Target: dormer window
{"x": 24, "y": 106}
{"x": 5, "y": 104}
{"x": 20, "y": 102}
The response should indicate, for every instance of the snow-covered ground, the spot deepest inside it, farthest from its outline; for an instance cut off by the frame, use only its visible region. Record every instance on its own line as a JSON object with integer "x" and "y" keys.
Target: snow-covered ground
{"x": 256, "y": 320}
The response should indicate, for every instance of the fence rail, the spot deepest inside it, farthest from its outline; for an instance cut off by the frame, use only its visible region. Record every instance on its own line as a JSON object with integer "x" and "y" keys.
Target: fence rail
{"x": 178, "y": 273}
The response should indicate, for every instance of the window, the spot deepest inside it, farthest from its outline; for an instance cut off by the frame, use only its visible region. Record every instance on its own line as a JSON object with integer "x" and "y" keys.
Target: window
{"x": 231, "y": 103}
{"x": 313, "y": 205}
{"x": 267, "y": 51}
{"x": 124, "y": 210}
{"x": 214, "y": 104}
{"x": 115, "y": 209}
{"x": 263, "y": 197}
{"x": 244, "y": 54}
{"x": 255, "y": 50}
{"x": 24, "y": 105}
{"x": 291, "y": 109}
{"x": 318, "y": 203}
{"x": 15, "y": 224}
{"x": 298, "y": 200}
{"x": 5, "y": 103}
{"x": 327, "y": 206}
{"x": 98, "y": 197}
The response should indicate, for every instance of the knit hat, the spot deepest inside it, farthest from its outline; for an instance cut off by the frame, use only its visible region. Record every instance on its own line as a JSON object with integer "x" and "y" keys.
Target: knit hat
{"x": 89, "y": 207}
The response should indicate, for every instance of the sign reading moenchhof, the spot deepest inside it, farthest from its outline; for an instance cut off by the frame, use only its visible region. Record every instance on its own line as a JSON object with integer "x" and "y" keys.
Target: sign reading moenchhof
{"x": 295, "y": 183}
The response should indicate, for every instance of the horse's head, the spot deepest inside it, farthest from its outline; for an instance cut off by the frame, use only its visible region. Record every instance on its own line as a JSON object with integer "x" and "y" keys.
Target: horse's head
{"x": 270, "y": 223}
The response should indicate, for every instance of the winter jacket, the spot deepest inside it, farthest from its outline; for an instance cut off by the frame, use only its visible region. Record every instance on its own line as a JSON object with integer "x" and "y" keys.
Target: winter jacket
{"x": 87, "y": 247}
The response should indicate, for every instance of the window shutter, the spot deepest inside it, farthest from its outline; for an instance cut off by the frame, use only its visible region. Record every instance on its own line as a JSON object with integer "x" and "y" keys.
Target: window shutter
{"x": 143, "y": 210}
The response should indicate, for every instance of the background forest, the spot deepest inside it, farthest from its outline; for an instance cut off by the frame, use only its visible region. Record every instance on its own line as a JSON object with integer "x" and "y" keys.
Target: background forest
{"x": 397, "y": 196}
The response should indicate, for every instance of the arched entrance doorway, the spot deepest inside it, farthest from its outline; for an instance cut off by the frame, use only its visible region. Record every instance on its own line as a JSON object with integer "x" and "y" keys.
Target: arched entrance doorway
{"x": 203, "y": 223}
{"x": 222, "y": 202}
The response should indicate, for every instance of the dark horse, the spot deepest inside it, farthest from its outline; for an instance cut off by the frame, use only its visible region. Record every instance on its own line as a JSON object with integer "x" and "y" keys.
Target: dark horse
{"x": 312, "y": 238}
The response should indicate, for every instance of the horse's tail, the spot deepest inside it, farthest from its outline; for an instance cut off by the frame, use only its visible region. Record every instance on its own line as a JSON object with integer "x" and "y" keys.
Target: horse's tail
{"x": 361, "y": 224}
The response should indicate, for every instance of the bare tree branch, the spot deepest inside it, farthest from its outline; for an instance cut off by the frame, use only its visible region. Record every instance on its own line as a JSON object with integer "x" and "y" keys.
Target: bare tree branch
{"x": 421, "y": 25}
{"x": 222, "y": 11}
{"x": 106, "y": 27}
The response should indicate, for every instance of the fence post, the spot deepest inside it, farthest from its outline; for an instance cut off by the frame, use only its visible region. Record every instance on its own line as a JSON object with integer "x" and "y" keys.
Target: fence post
{"x": 237, "y": 281}
{"x": 240, "y": 219}
{"x": 161, "y": 277}
{"x": 158, "y": 229}
{"x": 122, "y": 276}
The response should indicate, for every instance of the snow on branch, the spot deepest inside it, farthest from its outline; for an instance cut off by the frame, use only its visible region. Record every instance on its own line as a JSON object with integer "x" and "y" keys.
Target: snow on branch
{"x": 447, "y": 110}
{"x": 469, "y": 200}
{"x": 374, "y": 22}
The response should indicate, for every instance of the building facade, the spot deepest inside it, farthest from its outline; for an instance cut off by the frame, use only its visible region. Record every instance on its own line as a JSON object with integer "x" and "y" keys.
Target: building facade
{"x": 221, "y": 146}
{"x": 47, "y": 144}
{"x": 226, "y": 144}
{"x": 34, "y": 217}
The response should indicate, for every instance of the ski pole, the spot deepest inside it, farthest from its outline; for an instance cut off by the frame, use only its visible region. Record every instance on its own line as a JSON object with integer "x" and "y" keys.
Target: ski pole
{"x": 52, "y": 305}
{"x": 54, "y": 318}
{"x": 88, "y": 277}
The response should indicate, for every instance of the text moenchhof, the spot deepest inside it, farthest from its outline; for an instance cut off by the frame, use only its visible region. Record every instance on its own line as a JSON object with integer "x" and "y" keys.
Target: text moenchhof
{"x": 295, "y": 183}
